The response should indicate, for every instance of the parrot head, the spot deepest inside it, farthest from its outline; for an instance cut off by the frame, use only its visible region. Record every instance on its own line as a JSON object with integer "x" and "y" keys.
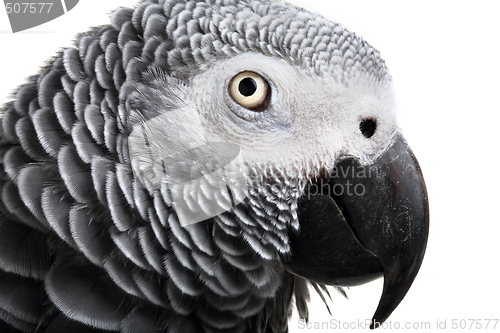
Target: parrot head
{"x": 288, "y": 124}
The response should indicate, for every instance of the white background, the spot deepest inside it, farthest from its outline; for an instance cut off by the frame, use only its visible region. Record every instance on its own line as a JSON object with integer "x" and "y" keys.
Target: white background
{"x": 444, "y": 57}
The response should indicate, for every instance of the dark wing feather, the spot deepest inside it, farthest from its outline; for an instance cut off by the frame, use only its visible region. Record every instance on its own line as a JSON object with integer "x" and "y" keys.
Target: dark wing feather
{"x": 63, "y": 324}
{"x": 81, "y": 292}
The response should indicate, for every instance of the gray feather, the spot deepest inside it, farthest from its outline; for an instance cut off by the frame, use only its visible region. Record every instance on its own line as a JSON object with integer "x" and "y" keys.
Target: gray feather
{"x": 82, "y": 293}
{"x": 23, "y": 251}
{"x": 320, "y": 289}
{"x": 22, "y": 300}
{"x": 98, "y": 251}
{"x": 302, "y": 297}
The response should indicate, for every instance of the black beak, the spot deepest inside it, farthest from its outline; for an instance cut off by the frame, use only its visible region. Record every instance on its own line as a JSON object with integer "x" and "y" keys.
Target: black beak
{"x": 365, "y": 221}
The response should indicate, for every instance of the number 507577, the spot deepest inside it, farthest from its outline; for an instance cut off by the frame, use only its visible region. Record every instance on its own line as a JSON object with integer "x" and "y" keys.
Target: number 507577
{"x": 474, "y": 323}
{"x": 28, "y": 7}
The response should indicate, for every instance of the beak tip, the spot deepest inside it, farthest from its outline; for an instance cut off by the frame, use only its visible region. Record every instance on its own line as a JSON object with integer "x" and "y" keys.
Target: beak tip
{"x": 377, "y": 321}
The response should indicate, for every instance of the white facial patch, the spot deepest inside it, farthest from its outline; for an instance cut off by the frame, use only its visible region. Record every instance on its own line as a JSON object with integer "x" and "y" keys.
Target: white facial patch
{"x": 310, "y": 121}
{"x": 209, "y": 150}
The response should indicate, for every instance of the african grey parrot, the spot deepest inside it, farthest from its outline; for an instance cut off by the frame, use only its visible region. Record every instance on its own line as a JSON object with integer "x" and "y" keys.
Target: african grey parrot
{"x": 196, "y": 166}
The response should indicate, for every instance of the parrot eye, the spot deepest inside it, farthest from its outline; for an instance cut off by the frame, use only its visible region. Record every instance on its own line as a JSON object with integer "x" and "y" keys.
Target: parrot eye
{"x": 368, "y": 127}
{"x": 250, "y": 90}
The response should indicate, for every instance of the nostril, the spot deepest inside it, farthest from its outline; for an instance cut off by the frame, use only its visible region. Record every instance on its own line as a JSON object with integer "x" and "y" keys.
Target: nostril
{"x": 368, "y": 127}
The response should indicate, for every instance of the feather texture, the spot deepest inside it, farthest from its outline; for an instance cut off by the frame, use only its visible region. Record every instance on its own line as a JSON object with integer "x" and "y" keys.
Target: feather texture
{"x": 84, "y": 246}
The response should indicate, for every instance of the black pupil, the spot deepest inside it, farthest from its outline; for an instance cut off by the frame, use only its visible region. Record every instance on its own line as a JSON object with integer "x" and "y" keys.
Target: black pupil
{"x": 247, "y": 87}
{"x": 368, "y": 127}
